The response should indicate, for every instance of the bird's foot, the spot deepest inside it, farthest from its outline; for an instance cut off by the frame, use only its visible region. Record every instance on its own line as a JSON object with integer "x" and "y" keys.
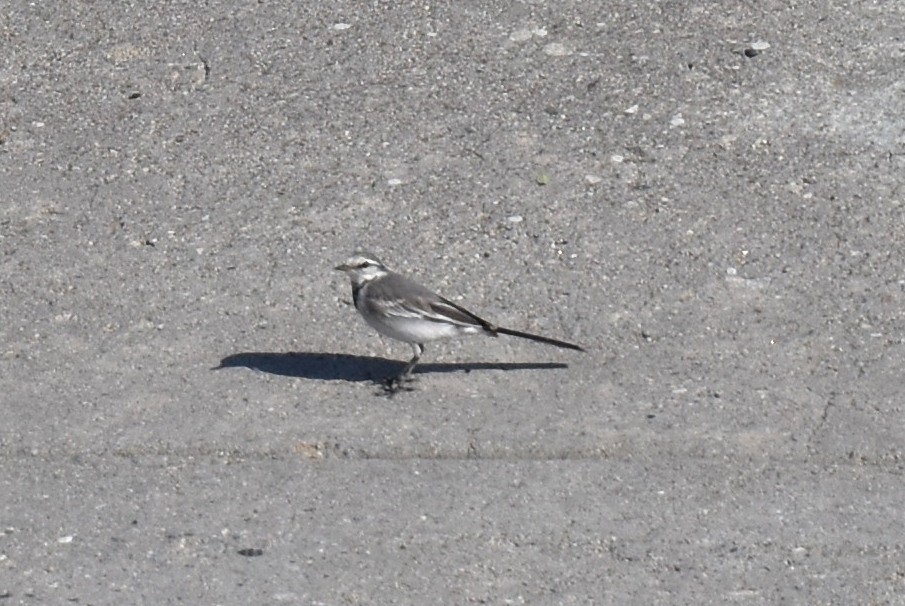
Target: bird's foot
{"x": 396, "y": 384}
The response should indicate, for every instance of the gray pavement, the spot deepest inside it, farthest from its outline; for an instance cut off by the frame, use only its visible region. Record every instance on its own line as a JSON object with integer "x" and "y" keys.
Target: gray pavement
{"x": 707, "y": 196}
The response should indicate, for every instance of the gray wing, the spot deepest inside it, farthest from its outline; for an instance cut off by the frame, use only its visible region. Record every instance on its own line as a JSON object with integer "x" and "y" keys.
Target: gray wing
{"x": 398, "y": 296}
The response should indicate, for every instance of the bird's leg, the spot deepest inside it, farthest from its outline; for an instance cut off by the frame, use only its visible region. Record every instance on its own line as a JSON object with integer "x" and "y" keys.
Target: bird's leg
{"x": 394, "y": 383}
{"x": 417, "y": 349}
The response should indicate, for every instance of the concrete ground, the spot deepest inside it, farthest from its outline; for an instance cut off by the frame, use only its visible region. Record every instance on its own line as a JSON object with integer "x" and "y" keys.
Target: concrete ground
{"x": 709, "y": 197}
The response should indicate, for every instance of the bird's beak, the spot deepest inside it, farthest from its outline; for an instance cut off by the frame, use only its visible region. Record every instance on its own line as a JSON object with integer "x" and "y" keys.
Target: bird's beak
{"x": 342, "y": 267}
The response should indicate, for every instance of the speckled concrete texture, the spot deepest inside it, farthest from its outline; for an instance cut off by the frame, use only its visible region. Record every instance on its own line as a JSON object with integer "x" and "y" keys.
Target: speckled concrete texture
{"x": 708, "y": 196}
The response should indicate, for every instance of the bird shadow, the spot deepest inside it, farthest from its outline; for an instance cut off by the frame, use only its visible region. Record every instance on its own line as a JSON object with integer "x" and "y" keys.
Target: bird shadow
{"x": 345, "y": 367}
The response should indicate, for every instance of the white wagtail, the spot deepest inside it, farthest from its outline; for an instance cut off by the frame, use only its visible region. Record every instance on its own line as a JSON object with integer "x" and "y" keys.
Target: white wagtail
{"x": 406, "y": 311}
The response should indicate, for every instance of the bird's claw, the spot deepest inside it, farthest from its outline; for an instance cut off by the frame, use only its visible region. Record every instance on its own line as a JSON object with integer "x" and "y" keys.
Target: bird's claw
{"x": 393, "y": 385}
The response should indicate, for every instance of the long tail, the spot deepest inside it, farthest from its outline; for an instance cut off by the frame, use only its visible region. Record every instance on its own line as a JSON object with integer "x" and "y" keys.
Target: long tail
{"x": 494, "y": 330}
{"x": 547, "y": 340}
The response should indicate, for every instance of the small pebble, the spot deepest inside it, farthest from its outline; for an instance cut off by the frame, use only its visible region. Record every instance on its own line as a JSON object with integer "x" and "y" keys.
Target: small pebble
{"x": 556, "y": 49}
{"x": 251, "y": 552}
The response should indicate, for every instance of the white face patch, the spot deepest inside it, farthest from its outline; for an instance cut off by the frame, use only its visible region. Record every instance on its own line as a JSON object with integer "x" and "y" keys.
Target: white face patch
{"x": 362, "y": 269}
{"x": 361, "y": 275}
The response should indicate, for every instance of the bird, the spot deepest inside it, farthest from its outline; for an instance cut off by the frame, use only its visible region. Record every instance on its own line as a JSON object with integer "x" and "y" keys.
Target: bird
{"x": 401, "y": 309}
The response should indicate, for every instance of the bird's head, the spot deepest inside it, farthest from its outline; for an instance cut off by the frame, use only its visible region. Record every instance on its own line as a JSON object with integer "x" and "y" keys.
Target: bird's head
{"x": 362, "y": 267}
